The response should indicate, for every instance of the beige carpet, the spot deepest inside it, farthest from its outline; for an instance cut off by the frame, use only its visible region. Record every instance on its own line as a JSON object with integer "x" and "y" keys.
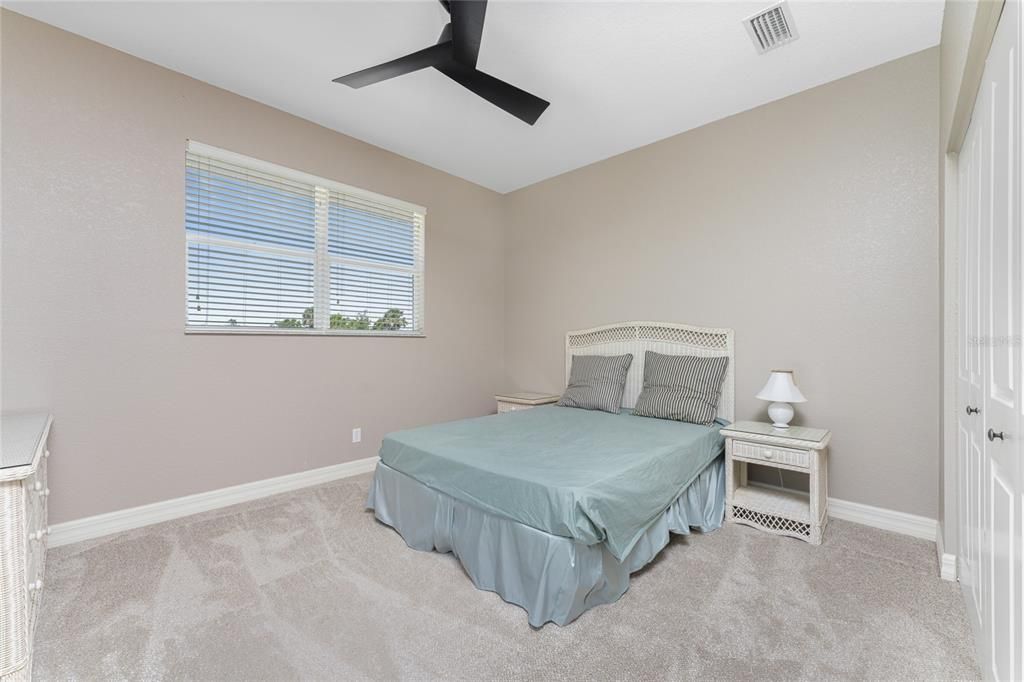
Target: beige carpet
{"x": 308, "y": 585}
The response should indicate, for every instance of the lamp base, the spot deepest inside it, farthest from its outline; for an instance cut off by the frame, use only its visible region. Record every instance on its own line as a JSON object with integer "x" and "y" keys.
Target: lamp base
{"x": 781, "y": 414}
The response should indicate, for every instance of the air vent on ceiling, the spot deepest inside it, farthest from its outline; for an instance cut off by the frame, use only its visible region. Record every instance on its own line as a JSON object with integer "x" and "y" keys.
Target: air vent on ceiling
{"x": 771, "y": 28}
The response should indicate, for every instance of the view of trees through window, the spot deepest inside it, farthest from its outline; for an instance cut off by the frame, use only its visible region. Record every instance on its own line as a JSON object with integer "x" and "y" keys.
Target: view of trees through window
{"x": 392, "y": 320}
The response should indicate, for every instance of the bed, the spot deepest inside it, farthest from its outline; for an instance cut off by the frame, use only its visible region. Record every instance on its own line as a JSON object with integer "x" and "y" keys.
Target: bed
{"x": 553, "y": 508}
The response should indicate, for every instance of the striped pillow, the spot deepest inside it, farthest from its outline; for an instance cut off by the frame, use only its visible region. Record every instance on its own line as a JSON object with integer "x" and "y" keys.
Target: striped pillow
{"x": 596, "y": 382}
{"x": 685, "y": 388}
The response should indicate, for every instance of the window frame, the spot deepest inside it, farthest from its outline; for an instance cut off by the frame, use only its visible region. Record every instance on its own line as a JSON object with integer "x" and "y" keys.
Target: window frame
{"x": 323, "y": 260}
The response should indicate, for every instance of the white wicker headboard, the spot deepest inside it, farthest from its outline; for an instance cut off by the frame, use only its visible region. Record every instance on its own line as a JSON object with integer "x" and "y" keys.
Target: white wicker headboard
{"x": 660, "y": 337}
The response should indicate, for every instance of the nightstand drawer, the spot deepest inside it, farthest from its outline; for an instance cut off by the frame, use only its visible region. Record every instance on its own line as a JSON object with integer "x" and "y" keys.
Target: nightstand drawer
{"x": 772, "y": 453}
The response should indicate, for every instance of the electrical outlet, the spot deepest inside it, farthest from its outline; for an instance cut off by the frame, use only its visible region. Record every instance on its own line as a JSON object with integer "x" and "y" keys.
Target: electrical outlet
{"x": 357, "y": 435}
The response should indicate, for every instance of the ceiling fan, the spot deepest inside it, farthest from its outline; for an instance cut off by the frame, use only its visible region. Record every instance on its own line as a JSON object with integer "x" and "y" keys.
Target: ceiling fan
{"x": 455, "y": 55}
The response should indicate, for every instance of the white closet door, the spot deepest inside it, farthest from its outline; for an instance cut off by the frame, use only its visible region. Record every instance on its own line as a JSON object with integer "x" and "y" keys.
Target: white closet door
{"x": 1000, "y": 233}
{"x": 1002, "y": 291}
{"x": 990, "y": 374}
{"x": 970, "y": 431}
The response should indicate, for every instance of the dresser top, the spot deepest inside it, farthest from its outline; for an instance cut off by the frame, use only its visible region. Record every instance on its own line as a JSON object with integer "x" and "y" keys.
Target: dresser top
{"x": 22, "y": 435}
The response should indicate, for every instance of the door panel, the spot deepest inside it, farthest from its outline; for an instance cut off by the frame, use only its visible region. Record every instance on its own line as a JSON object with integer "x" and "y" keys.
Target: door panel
{"x": 971, "y": 344}
{"x": 976, "y": 528}
{"x": 989, "y": 369}
{"x": 1001, "y": 317}
{"x": 1004, "y": 592}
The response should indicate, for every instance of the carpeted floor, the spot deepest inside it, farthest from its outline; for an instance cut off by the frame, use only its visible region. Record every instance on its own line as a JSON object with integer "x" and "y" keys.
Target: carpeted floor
{"x": 307, "y": 585}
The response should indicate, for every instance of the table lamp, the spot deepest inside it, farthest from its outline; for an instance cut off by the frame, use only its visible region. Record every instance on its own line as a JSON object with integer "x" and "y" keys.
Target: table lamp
{"x": 781, "y": 390}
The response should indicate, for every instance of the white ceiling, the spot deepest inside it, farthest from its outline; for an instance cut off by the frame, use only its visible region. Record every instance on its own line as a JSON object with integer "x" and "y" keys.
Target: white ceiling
{"x": 619, "y": 75}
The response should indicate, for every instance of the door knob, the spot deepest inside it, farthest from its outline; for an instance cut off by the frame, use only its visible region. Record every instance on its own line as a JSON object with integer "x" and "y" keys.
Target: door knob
{"x": 992, "y": 435}
{"x": 972, "y": 410}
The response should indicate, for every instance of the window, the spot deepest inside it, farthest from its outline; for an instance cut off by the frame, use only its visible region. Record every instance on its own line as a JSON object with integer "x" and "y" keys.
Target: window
{"x": 273, "y": 250}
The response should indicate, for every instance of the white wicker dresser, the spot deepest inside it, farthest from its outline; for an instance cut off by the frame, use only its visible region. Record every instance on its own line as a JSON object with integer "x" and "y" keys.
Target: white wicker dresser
{"x": 23, "y": 531}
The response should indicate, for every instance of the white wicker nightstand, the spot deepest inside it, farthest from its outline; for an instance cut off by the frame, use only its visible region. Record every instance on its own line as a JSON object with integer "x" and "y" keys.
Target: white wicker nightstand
{"x": 512, "y": 402}
{"x": 777, "y": 511}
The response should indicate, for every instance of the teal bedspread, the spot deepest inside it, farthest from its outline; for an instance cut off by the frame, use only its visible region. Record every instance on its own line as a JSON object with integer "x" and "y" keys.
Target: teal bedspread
{"x": 592, "y": 476}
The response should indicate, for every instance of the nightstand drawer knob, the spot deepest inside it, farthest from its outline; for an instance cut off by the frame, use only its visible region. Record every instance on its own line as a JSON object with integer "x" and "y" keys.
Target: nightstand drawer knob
{"x": 973, "y": 410}
{"x": 992, "y": 435}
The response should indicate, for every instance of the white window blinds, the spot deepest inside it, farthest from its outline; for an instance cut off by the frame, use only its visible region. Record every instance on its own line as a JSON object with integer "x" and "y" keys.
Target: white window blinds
{"x": 274, "y": 250}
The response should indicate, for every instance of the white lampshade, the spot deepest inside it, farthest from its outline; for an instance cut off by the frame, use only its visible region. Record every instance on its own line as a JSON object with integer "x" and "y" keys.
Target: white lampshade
{"x": 781, "y": 389}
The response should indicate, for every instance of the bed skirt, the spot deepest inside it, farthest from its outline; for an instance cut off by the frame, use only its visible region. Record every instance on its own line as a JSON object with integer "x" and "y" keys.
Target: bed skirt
{"x": 554, "y": 578}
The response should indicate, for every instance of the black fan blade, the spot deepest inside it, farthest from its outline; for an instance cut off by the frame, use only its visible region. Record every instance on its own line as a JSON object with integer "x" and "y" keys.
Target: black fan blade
{"x": 446, "y": 34}
{"x": 519, "y": 103}
{"x": 431, "y": 56}
{"x": 467, "y": 28}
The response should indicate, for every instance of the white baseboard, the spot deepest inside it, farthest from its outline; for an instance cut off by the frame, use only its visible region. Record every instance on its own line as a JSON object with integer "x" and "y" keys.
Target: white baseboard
{"x": 947, "y": 567}
{"x": 136, "y": 517}
{"x": 877, "y": 517}
{"x": 886, "y": 519}
{"x": 947, "y": 562}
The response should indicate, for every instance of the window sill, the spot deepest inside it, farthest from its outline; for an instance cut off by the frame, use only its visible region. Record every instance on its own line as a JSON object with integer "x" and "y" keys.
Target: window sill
{"x": 227, "y": 331}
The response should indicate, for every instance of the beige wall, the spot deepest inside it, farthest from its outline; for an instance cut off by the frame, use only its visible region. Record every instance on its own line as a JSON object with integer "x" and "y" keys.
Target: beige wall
{"x": 809, "y": 225}
{"x": 93, "y": 275}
